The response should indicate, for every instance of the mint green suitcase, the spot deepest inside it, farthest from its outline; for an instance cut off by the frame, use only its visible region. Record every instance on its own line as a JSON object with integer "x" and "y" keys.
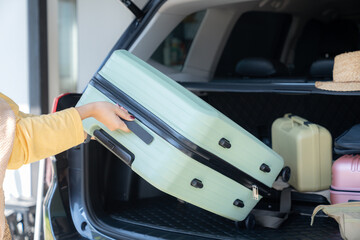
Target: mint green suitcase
{"x": 180, "y": 144}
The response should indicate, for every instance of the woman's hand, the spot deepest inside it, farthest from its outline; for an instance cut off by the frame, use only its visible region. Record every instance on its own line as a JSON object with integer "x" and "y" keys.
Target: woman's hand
{"x": 107, "y": 113}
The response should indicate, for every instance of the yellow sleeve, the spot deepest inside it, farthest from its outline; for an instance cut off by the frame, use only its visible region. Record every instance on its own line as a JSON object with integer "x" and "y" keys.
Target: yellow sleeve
{"x": 38, "y": 137}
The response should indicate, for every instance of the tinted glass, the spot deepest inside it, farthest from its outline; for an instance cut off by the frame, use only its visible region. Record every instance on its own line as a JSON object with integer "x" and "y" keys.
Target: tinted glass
{"x": 256, "y": 34}
{"x": 173, "y": 50}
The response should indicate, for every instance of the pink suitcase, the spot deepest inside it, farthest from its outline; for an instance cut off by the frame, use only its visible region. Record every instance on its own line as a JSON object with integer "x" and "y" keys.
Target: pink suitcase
{"x": 345, "y": 185}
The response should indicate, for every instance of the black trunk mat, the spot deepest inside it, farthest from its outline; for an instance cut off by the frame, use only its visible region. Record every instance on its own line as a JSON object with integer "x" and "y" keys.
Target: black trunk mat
{"x": 172, "y": 216}
{"x": 167, "y": 218}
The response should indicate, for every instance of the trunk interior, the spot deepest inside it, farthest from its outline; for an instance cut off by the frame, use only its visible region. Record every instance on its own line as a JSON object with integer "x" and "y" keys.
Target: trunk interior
{"x": 120, "y": 197}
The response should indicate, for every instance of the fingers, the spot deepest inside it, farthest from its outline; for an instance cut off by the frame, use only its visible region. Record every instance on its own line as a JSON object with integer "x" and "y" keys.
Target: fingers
{"x": 122, "y": 108}
{"x": 124, "y": 114}
{"x": 122, "y": 126}
{"x": 110, "y": 115}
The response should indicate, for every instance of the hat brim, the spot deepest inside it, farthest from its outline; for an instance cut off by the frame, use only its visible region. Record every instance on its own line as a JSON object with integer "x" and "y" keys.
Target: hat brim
{"x": 338, "y": 86}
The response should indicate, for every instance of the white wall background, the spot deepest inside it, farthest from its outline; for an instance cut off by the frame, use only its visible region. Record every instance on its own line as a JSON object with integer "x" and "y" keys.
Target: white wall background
{"x": 14, "y": 51}
{"x": 14, "y": 80}
{"x": 100, "y": 24}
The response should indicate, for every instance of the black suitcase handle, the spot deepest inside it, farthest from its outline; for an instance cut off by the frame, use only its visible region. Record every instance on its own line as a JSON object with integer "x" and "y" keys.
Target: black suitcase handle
{"x": 139, "y": 131}
{"x": 114, "y": 146}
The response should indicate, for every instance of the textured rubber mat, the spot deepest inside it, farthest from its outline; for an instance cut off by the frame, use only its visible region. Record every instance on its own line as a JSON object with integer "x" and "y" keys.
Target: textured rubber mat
{"x": 173, "y": 216}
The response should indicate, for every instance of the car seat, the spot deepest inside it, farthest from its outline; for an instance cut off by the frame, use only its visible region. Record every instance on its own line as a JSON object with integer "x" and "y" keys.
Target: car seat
{"x": 321, "y": 40}
{"x": 322, "y": 69}
{"x": 260, "y": 68}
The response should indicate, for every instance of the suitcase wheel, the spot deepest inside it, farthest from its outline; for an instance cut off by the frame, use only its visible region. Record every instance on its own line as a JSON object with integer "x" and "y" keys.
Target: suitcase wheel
{"x": 248, "y": 223}
{"x": 285, "y": 174}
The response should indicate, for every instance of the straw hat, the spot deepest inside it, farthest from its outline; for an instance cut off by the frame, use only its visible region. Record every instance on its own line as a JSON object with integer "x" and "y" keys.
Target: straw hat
{"x": 346, "y": 73}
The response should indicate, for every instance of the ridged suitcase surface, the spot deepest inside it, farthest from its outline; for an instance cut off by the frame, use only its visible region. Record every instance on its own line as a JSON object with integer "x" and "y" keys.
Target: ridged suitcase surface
{"x": 345, "y": 184}
{"x": 186, "y": 148}
{"x": 306, "y": 149}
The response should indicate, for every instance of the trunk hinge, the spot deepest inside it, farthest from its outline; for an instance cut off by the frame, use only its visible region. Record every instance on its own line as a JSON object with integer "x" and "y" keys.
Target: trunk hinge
{"x": 133, "y": 8}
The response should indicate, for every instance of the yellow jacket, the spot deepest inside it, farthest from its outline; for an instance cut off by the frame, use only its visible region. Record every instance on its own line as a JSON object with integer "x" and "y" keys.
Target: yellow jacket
{"x": 38, "y": 137}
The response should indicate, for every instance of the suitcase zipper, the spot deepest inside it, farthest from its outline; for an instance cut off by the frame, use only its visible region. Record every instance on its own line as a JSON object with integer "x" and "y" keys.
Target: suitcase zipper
{"x": 255, "y": 191}
{"x": 180, "y": 142}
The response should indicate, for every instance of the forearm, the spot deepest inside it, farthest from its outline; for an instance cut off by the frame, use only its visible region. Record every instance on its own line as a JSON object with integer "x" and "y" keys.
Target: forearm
{"x": 38, "y": 137}
{"x": 87, "y": 110}
{"x": 107, "y": 113}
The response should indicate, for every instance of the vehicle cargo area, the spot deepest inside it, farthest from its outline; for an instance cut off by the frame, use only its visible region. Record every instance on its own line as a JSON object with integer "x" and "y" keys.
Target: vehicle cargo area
{"x": 255, "y": 61}
{"x": 127, "y": 201}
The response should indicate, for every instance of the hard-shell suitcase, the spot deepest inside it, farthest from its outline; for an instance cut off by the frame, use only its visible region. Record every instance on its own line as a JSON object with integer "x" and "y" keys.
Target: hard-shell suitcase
{"x": 345, "y": 184}
{"x": 179, "y": 143}
{"x": 306, "y": 149}
{"x": 348, "y": 142}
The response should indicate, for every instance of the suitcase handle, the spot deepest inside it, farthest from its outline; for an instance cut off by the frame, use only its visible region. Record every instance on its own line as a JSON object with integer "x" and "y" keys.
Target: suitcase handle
{"x": 139, "y": 131}
{"x": 114, "y": 146}
{"x": 298, "y": 120}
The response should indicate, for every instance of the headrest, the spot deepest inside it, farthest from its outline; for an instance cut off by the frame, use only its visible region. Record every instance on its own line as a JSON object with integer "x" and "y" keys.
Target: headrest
{"x": 322, "y": 68}
{"x": 338, "y": 37}
{"x": 260, "y": 67}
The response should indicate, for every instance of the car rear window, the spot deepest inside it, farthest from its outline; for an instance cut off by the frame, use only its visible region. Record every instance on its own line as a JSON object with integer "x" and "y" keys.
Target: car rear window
{"x": 173, "y": 50}
{"x": 256, "y": 34}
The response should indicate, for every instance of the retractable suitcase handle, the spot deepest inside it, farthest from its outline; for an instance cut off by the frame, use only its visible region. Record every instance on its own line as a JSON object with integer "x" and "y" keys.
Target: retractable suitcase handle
{"x": 117, "y": 148}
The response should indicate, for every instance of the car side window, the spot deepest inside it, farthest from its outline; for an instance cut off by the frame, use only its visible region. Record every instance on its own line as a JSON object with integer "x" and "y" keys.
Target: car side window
{"x": 256, "y": 34}
{"x": 173, "y": 50}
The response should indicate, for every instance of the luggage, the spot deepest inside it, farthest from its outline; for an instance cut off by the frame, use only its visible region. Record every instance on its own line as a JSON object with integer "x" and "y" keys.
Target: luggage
{"x": 348, "y": 142}
{"x": 347, "y": 215}
{"x": 306, "y": 149}
{"x": 179, "y": 143}
{"x": 345, "y": 185}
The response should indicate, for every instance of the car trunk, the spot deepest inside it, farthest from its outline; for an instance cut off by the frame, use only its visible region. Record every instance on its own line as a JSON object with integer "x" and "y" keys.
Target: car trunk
{"x": 119, "y": 198}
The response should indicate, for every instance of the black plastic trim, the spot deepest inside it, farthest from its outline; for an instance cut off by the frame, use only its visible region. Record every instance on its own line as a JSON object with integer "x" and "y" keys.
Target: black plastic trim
{"x": 133, "y": 8}
{"x": 93, "y": 219}
{"x": 118, "y": 149}
{"x": 289, "y": 86}
{"x": 177, "y": 140}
